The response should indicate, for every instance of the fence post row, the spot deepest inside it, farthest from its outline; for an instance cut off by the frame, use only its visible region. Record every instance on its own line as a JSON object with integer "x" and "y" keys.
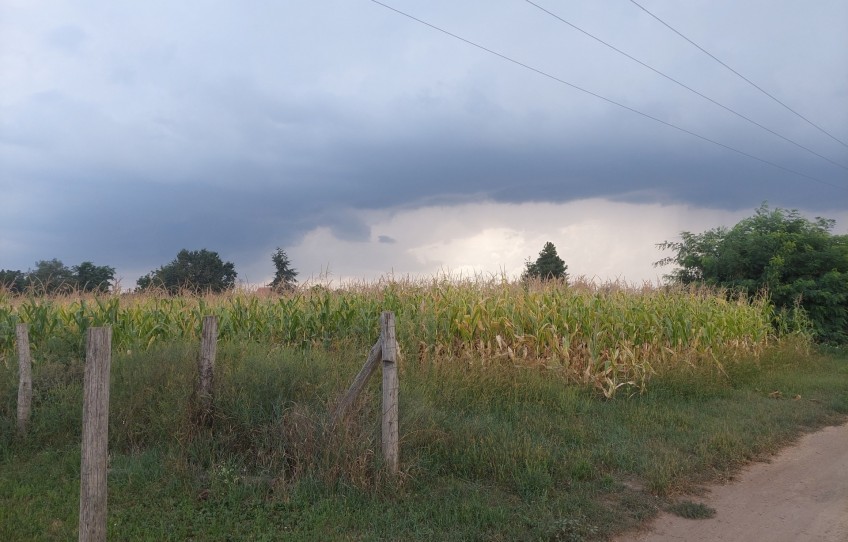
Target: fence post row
{"x": 95, "y": 430}
{"x": 95, "y": 435}
{"x": 25, "y": 377}
{"x": 390, "y": 392}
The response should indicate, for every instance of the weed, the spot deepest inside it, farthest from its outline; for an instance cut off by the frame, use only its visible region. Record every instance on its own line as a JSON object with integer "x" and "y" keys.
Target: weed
{"x": 692, "y": 510}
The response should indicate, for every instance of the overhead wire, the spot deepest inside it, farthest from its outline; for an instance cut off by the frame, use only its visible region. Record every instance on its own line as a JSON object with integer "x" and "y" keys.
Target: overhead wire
{"x": 608, "y": 100}
{"x": 756, "y": 86}
{"x": 690, "y": 89}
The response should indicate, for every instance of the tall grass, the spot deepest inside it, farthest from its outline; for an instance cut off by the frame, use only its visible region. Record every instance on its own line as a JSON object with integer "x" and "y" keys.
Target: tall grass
{"x": 489, "y": 452}
{"x": 606, "y": 336}
{"x": 493, "y": 445}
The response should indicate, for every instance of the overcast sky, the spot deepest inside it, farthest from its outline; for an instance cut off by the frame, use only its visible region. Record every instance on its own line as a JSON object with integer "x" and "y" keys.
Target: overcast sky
{"x": 366, "y": 143}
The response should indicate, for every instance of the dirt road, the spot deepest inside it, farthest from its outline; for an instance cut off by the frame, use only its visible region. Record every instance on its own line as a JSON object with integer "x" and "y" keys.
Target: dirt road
{"x": 801, "y": 495}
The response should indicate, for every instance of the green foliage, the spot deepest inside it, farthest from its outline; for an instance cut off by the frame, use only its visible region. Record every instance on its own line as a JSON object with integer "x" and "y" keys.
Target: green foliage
{"x": 52, "y": 276}
{"x": 692, "y": 510}
{"x": 12, "y": 281}
{"x": 284, "y": 277}
{"x": 798, "y": 261}
{"x": 195, "y": 270}
{"x": 547, "y": 266}
{"x": 93, "y": 278}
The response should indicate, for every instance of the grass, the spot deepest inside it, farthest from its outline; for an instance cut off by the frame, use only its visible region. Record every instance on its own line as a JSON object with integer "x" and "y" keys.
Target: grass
{"x": 692, "y": 510}
{"x": 489, "y": 451}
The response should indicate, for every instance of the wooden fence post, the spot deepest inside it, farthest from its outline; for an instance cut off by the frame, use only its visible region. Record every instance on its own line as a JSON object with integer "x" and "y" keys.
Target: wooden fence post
{"x": 206, "y": 364}
{"x": 95, "y": 435}
{"x": 359, "y": 382}
{"x": 390, "y": 392}
{"x": 25, "y": 377}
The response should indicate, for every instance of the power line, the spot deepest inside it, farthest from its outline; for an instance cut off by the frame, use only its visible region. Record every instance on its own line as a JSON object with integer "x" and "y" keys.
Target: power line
{"x": 756, "y": 86}
{"x": 608, "y": 100}
{"x": 690, "y": 89}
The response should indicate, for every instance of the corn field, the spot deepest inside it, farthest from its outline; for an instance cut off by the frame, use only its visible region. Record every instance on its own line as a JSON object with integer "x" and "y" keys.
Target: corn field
{"x": 607, "y": 336}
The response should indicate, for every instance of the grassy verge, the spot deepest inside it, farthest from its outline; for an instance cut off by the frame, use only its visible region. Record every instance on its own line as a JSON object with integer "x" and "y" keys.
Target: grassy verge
{"x": 489, "y": 452}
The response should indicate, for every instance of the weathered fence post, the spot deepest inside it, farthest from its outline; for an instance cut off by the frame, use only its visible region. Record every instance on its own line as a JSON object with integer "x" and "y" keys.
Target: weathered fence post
{"x": 25, "y": 377}
{"x": 385, "y": 350}
{"x": 359, "y": 382}
{"x": 206, "y": 364}
{"x": 95, "y": 435}
{"x": 390, "y": 392}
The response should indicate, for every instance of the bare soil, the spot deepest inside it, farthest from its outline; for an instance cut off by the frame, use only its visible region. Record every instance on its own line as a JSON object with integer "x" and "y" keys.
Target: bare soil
{"x": 800, "y": 495}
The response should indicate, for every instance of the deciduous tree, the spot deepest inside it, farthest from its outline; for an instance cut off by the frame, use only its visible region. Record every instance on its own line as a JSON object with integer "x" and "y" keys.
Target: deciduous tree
{"x": 12, "y": 281}
{"x": 91, "y": 278}
{"x": 50, "y": 276}
{"x": 195, "y": 270}
{"x": 794, "y": 259}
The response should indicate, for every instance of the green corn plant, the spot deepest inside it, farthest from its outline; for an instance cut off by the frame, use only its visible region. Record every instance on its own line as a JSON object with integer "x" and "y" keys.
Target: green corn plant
{"x": 608, "y": 336}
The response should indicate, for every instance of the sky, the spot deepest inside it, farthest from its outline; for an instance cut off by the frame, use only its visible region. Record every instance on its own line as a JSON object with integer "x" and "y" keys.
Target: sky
{"x": 367, "y": 144}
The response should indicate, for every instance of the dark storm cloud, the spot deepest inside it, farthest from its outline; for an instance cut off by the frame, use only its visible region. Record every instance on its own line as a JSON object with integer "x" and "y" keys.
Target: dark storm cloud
{"x": 235, "y": 207}
{"x": 131, "y": 133}
{"x": 434, "y": 171}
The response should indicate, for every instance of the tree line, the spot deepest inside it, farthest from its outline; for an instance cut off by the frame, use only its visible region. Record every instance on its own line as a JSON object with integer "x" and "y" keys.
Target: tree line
{"x": 798, "y": 263}
{"x": 204, "y": 271}
{"x": 52, "y": 276}
{"x": 192, "y": 270}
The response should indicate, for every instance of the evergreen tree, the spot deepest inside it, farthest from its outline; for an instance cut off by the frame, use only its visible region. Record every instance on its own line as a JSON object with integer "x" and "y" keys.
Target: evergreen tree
{"x": 284, "y": 277}
{"x": 547, "y": 266}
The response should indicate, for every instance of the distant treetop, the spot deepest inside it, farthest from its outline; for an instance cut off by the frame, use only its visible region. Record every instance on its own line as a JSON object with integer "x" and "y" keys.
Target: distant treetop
{"x": 793, "y": 259}
{"x": 194, "y": 270}
{"x": 547, "y": 266}
{"x": 52, "y": 276}
{"x": 284, "y": 277}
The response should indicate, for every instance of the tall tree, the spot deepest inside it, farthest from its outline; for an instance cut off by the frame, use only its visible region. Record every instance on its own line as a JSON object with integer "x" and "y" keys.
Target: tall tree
{"x": 795, "y": 259}
{"x": 195, "y": 270}
{"x": 13, "y": 281}
{"x": 91, "y": 278}
{"x": 547, "y": 266}
{"x": 51, "y": 276}
{"x": 284, "y": 277}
